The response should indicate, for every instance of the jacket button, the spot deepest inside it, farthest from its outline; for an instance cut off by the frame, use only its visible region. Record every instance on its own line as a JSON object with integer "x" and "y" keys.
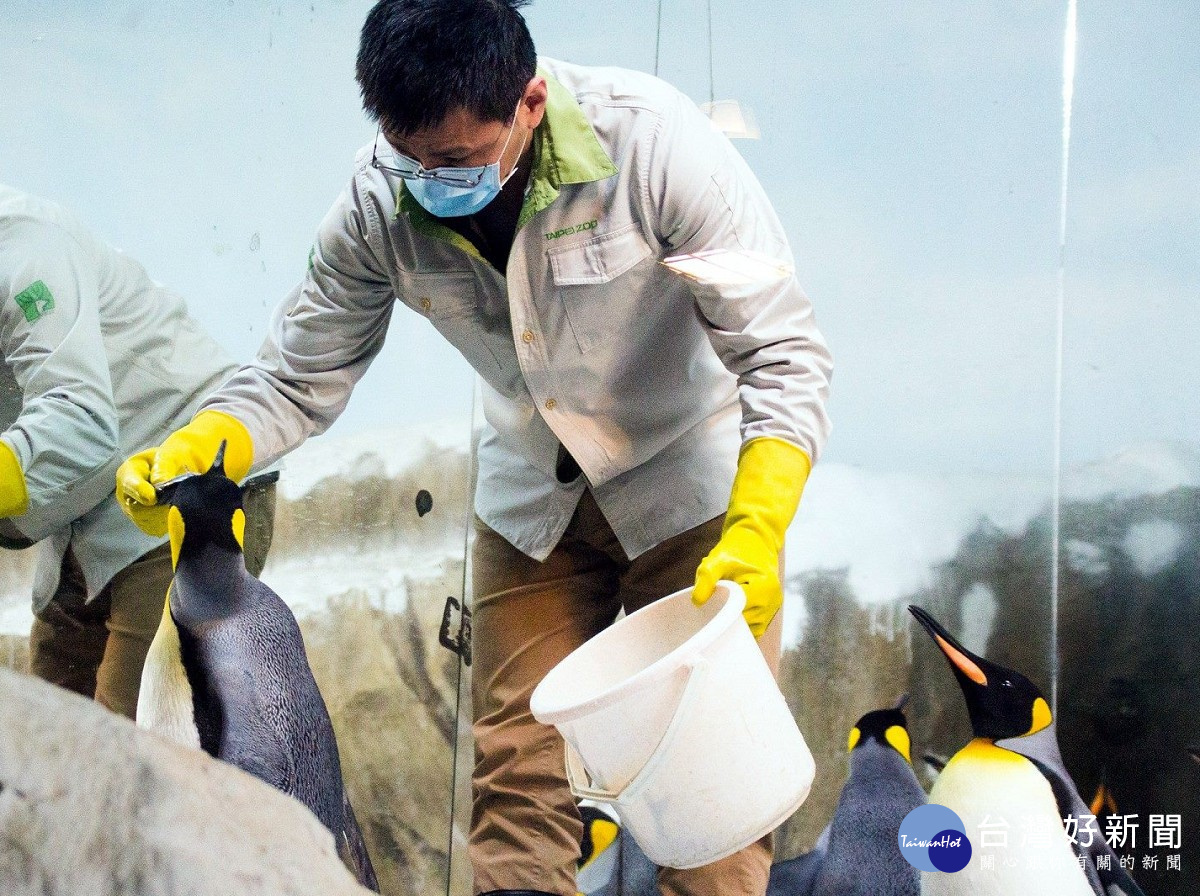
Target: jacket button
{"x": 527, "y": 336}
{"x": 425, "y": 303}
{"x": 551, "y": 404}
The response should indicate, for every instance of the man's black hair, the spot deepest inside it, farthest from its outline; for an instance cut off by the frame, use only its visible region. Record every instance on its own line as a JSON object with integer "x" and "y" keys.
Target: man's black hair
{"x": 418, "y": 60}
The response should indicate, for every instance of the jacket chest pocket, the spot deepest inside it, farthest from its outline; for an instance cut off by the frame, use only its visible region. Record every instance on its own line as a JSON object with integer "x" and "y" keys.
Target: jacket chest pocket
{"x": 596, "y": 304}
{"x": 457, "y": 308}
{"x": 443, "y": 298}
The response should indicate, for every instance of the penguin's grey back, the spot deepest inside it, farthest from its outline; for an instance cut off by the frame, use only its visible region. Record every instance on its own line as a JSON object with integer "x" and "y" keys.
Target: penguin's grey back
{"x": 863, "y": 857}
{"x": 256, "y": 704}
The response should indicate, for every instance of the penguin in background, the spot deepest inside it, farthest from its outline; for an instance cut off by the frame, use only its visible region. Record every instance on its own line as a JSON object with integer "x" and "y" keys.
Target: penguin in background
{"x": 611, "y": 863}
{"x": 862, "y": 856}
{"x": 1012, "y": 773}
{"x": 796, "y": 876}
{"x": 1103, "y": 804}
{"x": 227, "y": 671}
{"x": 599, "y": 850}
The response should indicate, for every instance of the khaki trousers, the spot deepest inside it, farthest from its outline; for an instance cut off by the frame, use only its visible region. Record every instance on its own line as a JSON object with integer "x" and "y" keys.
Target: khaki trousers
{"x": 97, "y": 648}
{"x": 526, "y": 616}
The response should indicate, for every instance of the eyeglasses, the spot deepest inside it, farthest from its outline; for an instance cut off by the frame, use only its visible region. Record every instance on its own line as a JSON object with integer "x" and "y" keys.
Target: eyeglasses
{"x": 402, "y": 166}
{"x": 393, "y": 162}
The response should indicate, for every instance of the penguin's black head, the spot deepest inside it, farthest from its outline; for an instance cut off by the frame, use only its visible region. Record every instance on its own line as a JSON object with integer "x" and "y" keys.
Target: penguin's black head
{"x": 600, "y": 831}
{"x": 888, "y": 727}
{"x": 1002, "y": 703}
{"x": 206, "y": 509}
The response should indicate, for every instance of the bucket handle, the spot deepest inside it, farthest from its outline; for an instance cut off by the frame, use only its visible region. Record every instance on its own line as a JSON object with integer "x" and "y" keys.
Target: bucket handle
{"x": 580, "y": 781}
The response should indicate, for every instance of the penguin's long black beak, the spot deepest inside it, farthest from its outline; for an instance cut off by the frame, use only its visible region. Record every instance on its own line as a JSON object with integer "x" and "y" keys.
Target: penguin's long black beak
{"x": 164, "y": 492}
{"x": 962, "y": 660}
{"x": 1002, "y": 702}
{"x": 218, "y": 463}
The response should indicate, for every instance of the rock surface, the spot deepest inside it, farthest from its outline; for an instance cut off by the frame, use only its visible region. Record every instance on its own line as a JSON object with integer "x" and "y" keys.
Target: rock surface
{"x": 92, "y": 806}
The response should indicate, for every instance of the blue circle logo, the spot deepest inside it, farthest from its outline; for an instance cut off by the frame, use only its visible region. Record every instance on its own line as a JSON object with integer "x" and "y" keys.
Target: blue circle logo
{"x": 933, "y": 838}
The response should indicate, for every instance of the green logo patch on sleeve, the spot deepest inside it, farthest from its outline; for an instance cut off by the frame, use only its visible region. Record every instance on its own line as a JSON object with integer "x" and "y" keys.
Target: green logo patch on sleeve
{"x": 35, "y": 300}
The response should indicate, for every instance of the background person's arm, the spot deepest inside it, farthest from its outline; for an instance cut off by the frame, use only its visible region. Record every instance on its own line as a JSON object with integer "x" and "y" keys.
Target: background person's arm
{"x": 52, "y": 340}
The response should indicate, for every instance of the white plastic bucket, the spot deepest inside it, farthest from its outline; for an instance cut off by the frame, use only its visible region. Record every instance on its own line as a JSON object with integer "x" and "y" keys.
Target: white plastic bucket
{"x": 672, "y": 715}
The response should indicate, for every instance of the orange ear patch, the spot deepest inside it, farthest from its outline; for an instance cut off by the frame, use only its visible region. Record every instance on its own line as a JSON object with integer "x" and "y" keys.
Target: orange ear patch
{"x": 897, "y": 736}
{"x": 604, "y": 832}
{"x": 238, "y": 524}
{"x": 855, "y": 737}
{"x": 175, "y": 530}
{"x": 1103, "y": 801}
{"x": 1042, "y": 716}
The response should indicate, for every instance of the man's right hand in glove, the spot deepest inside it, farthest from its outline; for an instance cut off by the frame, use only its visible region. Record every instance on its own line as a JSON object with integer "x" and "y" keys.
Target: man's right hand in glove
{"x": 190, "y": 449}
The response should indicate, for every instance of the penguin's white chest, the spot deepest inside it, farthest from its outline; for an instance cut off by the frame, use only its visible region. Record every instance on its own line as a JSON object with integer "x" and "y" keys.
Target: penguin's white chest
{"x": 165, "y": 699}
{"x": 1019, "y": 846}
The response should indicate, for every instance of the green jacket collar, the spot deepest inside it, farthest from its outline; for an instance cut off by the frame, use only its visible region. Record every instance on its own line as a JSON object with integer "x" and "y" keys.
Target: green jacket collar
{"x": 566, "y": 151}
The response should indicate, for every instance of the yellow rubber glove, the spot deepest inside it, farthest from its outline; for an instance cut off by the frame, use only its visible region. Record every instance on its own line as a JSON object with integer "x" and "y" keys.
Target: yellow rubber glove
{"x": 190, "y": 449}
{"x": 14, "y": 496}
{"x": 766, "y": 492}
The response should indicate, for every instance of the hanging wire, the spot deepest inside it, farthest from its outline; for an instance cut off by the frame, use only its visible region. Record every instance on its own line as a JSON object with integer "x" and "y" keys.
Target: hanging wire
{"x": 712, "y": 94}
{"x": 1068, "y": 93}
{"x": 658, "y": 37}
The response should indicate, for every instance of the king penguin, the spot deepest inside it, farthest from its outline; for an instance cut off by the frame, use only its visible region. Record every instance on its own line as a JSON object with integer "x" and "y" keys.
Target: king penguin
{"x": 611, "y": 863}
{"x": 227, "y": 671}
{"x": 1011, "y": 790}
{"x": 1103, "y": 805}
{"x": 862, "y": 855}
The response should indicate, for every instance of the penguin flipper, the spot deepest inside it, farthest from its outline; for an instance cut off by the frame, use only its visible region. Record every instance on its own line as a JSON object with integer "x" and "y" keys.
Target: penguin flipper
{"x": 165, "y": 705}
{"x": 1041, "y": 748}
{"x": 1111, "y": 881}
{"x": 1117, "y": 882}
{"x": 638, "y": 875}
{"x": 260, "y": 750}
{"x": 352, "y": 849}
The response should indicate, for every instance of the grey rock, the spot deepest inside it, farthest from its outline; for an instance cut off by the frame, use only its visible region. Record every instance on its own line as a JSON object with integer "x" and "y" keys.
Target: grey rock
{"x": 92, "y": 806}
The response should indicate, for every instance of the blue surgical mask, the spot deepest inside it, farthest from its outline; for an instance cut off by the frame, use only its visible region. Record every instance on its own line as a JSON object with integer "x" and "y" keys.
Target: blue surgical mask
{"x": 439, "y": 195}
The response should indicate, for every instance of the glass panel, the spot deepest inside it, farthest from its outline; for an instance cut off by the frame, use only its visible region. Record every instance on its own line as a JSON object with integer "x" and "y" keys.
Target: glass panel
{"x": 913, "y": 154}
{"x": 913, "y": 157}
{"x": 207, "y": 141}
{"x": 1130, "y": 566}
{"x": 369, "y": 546}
